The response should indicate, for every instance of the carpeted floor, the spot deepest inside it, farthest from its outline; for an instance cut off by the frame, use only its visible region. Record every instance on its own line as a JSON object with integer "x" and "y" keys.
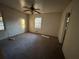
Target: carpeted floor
{"x": 30, "y": 46}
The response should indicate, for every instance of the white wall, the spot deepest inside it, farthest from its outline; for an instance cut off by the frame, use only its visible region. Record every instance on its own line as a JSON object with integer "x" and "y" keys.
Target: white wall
{"x": 61, "y": 30}
{"x": 50, "y": 23}
{"x": 71, "y": 43}
{"x": 12, "y": 20}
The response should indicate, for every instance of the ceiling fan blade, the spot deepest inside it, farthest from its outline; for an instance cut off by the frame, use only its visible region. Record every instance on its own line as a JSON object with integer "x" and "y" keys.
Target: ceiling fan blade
{"x": 26, "y": 10}
{"x": 37, "y": 9}
{"x": 37, "y": 12}
{"x": 26, "y": 7}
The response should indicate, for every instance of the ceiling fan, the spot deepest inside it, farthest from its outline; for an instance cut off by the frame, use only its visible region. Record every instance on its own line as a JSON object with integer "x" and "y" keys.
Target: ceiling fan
{"x": 32, "y": 9}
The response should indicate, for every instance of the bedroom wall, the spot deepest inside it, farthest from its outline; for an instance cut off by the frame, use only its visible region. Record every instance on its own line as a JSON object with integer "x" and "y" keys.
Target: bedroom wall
{"x": 61, "y": 30}
{"x": 50, "y": 23}
{"x": 13, "y": 22}
{"x": 71, "y": 43}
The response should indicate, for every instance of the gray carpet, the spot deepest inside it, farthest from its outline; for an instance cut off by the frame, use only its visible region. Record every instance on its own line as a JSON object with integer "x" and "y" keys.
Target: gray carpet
{"x": 30, "y": 46}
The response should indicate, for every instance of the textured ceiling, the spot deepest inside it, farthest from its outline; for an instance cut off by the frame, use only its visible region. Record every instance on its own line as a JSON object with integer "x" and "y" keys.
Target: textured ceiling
{"x": 46, "y": 6}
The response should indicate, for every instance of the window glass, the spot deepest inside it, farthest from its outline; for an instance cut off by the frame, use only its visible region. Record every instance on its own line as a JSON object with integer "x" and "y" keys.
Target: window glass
{"x": 38, "y": 21}
{"x": 1, "y": 23}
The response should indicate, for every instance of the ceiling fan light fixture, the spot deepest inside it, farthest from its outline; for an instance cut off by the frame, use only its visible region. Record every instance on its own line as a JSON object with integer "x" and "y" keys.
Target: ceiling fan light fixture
{"x": 32, "y": 9}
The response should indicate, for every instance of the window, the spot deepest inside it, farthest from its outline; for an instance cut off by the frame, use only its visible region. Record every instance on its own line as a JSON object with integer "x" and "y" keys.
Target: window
{"x": 23, "y": 23}
{"x": 38, "y": 21}
{"x": 1, "y": 23}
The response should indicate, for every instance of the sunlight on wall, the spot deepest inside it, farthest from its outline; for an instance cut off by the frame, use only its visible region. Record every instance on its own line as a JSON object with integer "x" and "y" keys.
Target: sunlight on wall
{"x": 23, "y": 23}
